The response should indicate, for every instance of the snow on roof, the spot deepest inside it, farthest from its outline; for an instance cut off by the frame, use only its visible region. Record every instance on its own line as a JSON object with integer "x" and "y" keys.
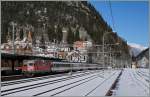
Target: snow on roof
{"x": 70, "y": 53}
{"x": 2, "y": 46}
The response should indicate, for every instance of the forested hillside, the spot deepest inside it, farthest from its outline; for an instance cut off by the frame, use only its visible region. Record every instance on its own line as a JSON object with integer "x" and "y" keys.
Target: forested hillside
{"x": 59, "y": 21}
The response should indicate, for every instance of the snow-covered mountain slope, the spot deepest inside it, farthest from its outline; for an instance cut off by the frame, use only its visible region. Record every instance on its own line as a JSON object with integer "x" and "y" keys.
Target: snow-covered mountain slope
{"x": 135, "y": 49}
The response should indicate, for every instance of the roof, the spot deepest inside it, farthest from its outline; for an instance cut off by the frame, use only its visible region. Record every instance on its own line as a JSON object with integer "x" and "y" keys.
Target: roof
{"x": 144, "y": 53}
{"x": 70, "y": 53}
{"x": 29, "y": 57}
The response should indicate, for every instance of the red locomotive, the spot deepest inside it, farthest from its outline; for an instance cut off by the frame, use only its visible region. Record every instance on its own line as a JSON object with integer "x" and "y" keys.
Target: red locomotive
{"x": 31, "y": 67}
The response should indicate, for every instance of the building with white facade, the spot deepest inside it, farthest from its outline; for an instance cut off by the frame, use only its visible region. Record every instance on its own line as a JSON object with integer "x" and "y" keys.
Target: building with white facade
{"x": 143, "y": 59}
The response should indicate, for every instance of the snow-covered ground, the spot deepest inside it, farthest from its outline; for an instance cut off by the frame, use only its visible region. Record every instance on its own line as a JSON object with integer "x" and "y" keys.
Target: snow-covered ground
{"x": 133, "y": 83}
{"x": 95, "y": 83}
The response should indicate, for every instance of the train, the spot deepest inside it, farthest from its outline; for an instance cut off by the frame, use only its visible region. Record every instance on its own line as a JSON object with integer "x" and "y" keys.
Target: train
{"x": 32, "y": 67}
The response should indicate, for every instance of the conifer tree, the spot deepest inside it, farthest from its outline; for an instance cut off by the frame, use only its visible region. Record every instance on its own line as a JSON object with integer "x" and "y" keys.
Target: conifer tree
{"x": 70, "y": 37}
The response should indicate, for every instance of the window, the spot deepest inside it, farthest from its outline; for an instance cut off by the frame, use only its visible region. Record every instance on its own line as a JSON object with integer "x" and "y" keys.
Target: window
{"x": 30, "y": 64}
{"x": 84, "y": 57}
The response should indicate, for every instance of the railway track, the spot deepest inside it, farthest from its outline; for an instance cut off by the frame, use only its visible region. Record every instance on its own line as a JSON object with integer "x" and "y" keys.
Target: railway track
{"x": 141, "y": 79}
{"x": 19, "y": 77}
{"x": 36, "y": 79}
{"x": 66, "y": 87}
{"x": 144, "y": 72}
{"x": 143, "y": 75}
{"x": 33, "y": 86}
{"x": 100, "y": 85}
{"x": 12, "y": 77}
{"x": 137, "y": 79}
{"x": 69, "y": 85}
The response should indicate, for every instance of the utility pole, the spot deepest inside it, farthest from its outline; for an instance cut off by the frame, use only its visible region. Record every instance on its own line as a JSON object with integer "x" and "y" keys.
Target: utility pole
{"x": 13, "y": 30}
{"x": 103, "y": 53}
{"x": 103, "y": 48}
{"x": 110, "y": 57}
{"x": 121, "y": 61}
{"x": 44, "y": 41}
{"x": 13, "y": 41}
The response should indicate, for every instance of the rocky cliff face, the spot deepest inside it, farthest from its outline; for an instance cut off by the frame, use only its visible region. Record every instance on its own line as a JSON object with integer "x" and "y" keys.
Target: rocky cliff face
{"x": 52, "y": 19}
{"x": 59, "y": 21}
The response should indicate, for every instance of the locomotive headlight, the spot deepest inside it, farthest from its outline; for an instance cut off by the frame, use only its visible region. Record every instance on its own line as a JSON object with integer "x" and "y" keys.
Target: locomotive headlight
{"x": 30, "y": 68}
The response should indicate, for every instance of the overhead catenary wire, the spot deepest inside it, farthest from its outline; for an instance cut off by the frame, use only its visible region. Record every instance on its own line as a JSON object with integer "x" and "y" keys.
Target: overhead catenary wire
{"x": 113, "y": 21}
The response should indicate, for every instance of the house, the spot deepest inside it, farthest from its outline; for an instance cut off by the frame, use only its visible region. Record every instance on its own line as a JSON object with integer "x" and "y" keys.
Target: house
{"x": 83, "y": 48}
{"x": 143, "y": 62}
{"x": 78, "y": 45}
{"x": 82, "y": 45}
{"x": 134, "y": 62}
{"x": 51, "y": 50}
{"x": 62, "y": 54}
{"x": 20, "y": 47}
{"x": 6, "y": 48}
{"x": 143, "y": 59}
{"x": 73, "y": 56}
{"x": 84, "y": 57}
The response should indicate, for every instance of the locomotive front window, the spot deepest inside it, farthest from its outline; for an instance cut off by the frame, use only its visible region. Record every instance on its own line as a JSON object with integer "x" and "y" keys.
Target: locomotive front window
{"x": 30, "y": 64}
